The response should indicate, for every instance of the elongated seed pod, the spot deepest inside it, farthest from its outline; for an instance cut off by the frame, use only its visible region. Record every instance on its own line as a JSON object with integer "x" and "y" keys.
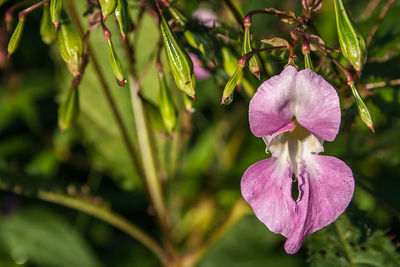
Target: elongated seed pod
{"x": 70, "y": 46}
{"x": 231, "y": 84}
{"x": 107, "y": 7}
{"x": 179, "y": 61}
{"x": 46, "y": 27}
{"x": 55, "y": 12}
{"x": 69, "y": 109}
{"x": 229, "y": 61}
{"x": 114, "y": 60}
{"x": 253, "y": 64}
{"x": 165, "y": 104}
{"x": 123, "y": 17}
{"x": 362, "y": 108}
{"x": 16, "y": 37}
{"x": 351, "y": 41}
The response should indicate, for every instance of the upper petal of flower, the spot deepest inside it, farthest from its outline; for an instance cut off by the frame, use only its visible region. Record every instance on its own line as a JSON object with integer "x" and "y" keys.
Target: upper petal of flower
{"x": 317, "y": 105}
{"x": 326, "y": 186}
{"x": 269, "y": 108}
{"x": 267, "y": 187}
{"x": 305, "y": 95}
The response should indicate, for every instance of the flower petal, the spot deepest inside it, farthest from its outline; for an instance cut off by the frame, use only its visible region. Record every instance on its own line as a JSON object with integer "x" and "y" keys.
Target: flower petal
{"x": 305, "y": 95}
{"x": 270, "y": 106}
{"x": 317, "y": 105}
{"x": 267, "y": 187}
{"x": 326, "y": 186}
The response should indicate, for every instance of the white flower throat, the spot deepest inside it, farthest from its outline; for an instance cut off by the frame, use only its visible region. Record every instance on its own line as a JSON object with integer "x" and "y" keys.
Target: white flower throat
{"x": 294, "y": 146}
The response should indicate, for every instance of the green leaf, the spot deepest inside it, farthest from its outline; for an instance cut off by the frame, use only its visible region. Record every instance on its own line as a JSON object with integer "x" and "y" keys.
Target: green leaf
{"x": 249, "y": 243}
{"x": 45, "y": 239}
{"x": 347, "y": 244}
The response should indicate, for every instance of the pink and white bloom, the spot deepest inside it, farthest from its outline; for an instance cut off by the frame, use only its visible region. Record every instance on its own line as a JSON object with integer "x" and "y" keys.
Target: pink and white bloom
{"x": 294, "y": 112}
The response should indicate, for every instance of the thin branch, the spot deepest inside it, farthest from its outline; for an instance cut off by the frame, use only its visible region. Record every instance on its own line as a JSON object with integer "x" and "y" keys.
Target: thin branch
{"x": 370, "y": 86}
{"x": 22, "y": 14}
{"x": 346, "y": 246}
{"x": 236, "y": 13}
{"x": 378, "y": 21}
{"x": 238, "y": 211}
{"x": 110, "y": 100}
{"x": 108, "y": 216}
{"x": 372, "y": 5}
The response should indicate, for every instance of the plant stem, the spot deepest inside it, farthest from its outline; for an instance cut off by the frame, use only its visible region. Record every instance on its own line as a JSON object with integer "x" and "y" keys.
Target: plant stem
{"x": 346, "y": 246}
{"x": 152, "y": 181}
{"x": 378, "y": 21}
{"x": 108, "y": 216}
{"x": 235, "y": 12}
{"x": 370, "y": 86}
{"x": 238, "y": 211}
{"x": 106, "y": 90}
{"x": 21, "y": 15}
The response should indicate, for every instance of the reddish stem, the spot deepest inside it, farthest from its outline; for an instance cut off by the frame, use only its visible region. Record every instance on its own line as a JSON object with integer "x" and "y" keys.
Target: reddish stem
{"x": 22, "y": 14}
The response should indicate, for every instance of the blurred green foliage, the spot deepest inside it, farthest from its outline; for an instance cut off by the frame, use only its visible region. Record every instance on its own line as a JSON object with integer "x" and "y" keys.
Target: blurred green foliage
{"x": 201, "y": 166}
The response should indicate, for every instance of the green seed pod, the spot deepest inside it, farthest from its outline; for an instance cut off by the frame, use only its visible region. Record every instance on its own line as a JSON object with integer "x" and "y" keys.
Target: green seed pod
{"x": 70, "y": 46}
{"x": 46, "y": 27}
{"x": 351, "y": 41}
{"x": 362, "y": 108}
{"x": 123, "y": 17}
{"x": 114, "y": 60}
{"x": 165, "y": 104}
{"x": 195, "y": 41}
{"x": 228, "y": 61}
{"x": 227, "y": 95}
{"x": 107, "y": 7}
{"x": 16, "y": 37}
{"x": 253, "y": 64}
{"x": 188, "y": 103}
{"x": 55, "y": 12}
{"x": 179, "y": 62}
{"x": 178, "y": 16}
{"x": 69, "y": 109}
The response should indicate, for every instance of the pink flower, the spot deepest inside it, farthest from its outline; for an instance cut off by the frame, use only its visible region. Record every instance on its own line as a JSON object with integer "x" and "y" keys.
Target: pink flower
{"x": 325, "y": 184}
{"x": 200, "y": 72}
{"x": 206, "y": 16}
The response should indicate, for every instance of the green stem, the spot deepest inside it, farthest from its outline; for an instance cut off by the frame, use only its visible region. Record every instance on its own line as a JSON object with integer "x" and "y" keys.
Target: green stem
{"x": 346, "y": 246}
{"x": 108, "y": 216}
{"x": 107, "y": 93}
{"x": 152, "y": 181}
{"x": 238, "y": 211}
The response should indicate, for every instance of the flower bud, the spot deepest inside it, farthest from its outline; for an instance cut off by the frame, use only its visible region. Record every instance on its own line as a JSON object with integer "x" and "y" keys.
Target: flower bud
{"x": 179, "y": 62}
{"x": 46, "y": 27}
{"x": 123, "y": 17}
{"x": 69, "y": 109}
{"x": 165, "y": 104}
{"x": 227, "y": 95}
{"x": 107, "y": 7}
{"x": 114, "y": 60}
{"x": 351, "y": 41}
{"x": 362, "y": 108}
{"x": 55, "y": 11}
{"x": 70, "y": 46}
{"x": 253, "y": 64}
{"x": 16, "y": 37}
